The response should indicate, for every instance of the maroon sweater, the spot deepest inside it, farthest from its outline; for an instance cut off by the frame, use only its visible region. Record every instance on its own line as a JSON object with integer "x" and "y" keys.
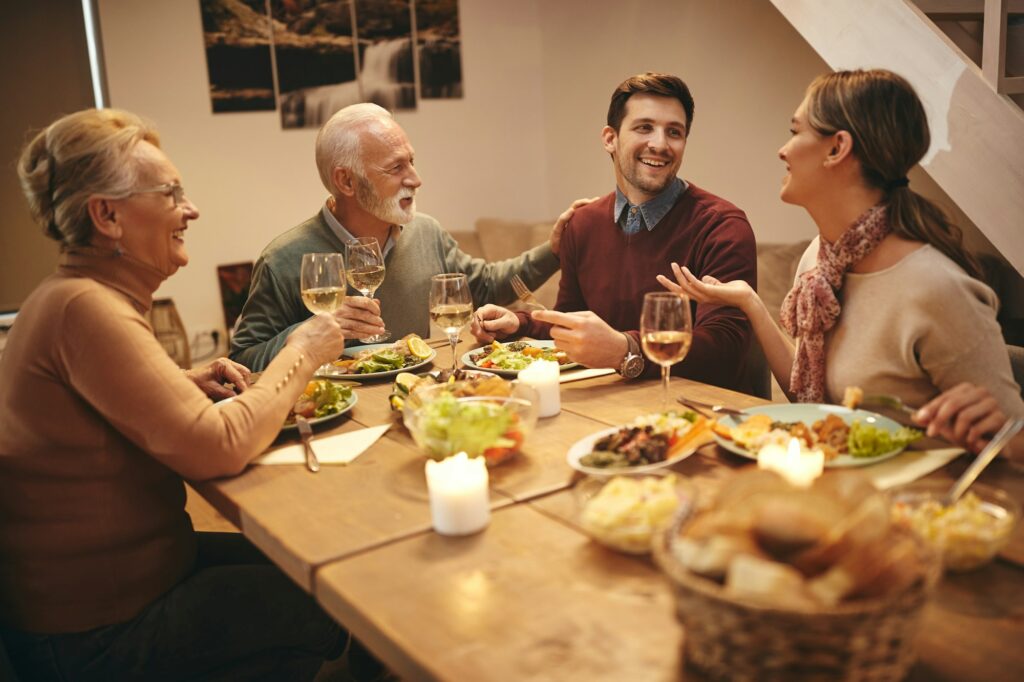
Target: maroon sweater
{"x": 608, "y": 272}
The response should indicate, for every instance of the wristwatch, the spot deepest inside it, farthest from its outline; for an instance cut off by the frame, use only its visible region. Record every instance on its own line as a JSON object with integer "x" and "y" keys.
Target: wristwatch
{"x": 633, "y": 363}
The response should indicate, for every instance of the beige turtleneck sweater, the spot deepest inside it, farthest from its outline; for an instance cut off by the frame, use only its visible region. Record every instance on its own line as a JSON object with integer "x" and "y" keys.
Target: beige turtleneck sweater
{"x": 97, "y": 428}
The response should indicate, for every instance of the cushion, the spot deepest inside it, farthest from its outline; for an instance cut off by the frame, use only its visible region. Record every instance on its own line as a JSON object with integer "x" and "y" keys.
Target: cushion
{"x": 776, "y": 268}
{"x": 501, "y": 239}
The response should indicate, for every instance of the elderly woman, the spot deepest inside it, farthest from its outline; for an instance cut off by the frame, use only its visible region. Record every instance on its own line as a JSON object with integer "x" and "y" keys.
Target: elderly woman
{"x": 885, "y": 298}
{"x": 101, "y": 574}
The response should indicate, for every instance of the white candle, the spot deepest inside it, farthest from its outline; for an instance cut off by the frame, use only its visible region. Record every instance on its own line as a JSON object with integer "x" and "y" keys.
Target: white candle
{"x": 542, "y": 375}
{"x": 796, "y": 466}
{"x": 459, "y": 500}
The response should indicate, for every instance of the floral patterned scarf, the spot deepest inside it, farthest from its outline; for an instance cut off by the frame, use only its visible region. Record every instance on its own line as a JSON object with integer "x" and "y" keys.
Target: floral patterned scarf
{"x": 812, "y": 307}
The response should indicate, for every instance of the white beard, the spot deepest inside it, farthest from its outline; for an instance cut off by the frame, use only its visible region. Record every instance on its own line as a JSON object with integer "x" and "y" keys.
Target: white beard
{"x": 387, "y": 210}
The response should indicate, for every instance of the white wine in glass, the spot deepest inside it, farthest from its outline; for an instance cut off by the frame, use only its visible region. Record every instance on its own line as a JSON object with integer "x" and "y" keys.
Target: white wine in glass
{"x": 365, "y": 270}
{"x": 451, "y": 306}
{"x": 666, "y": 332}
{"x": 322, "y": 282}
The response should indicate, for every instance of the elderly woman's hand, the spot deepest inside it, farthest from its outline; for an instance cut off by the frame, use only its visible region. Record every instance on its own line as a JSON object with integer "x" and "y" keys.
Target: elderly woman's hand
{"x": 320, "y": 337}
{"x": 708, "y": 289}
{"x": 967, "y": 415}
{"x": 211, "y": 378}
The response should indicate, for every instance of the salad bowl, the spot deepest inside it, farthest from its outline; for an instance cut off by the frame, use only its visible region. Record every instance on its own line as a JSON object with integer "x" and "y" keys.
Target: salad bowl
{"x": 443, "y": 423}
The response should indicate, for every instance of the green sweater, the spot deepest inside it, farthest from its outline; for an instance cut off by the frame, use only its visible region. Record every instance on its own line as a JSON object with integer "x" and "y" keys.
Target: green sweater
{"x": 422, "y": 250}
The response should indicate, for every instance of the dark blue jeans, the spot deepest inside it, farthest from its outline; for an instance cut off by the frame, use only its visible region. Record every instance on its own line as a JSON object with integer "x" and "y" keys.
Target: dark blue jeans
{"x": 235, "y": 617}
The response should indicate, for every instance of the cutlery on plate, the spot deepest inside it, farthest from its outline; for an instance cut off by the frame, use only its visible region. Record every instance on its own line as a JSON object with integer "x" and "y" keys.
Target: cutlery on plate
{"x": 717, "y": 409}
{"x": 524, "y": 294}
{"x": 306, "y": 433}
{"x": 887, "y": 402}
{"x": 988, "y": 453}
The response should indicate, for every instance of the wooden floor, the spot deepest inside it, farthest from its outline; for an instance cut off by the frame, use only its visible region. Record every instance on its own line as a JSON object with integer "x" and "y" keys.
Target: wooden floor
{"x": 205, "y": 517}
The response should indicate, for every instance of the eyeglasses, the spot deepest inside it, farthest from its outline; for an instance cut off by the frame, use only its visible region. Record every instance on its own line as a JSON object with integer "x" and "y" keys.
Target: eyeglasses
{"x": 172, "y": 188}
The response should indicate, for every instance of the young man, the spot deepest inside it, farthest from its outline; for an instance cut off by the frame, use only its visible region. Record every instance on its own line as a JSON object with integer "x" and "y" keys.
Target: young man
{"x": 366, "y": 163}
{"x": 613, "y": 248}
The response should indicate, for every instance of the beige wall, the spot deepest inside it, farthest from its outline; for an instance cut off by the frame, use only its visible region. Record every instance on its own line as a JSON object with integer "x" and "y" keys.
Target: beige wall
{"x": 40, "y": 80}
{"x": 522, "y": 143}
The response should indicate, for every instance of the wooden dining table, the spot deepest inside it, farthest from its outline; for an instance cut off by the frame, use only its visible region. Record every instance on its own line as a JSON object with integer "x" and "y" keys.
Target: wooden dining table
{"x": 532, "y": 597}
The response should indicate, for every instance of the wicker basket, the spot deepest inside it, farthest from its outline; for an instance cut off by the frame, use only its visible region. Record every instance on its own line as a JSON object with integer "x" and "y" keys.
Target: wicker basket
{"x": 870, "y": 639}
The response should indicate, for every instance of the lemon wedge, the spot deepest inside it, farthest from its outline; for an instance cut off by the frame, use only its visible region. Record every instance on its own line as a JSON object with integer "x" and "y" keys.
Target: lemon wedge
{"x": 418, "y": 347}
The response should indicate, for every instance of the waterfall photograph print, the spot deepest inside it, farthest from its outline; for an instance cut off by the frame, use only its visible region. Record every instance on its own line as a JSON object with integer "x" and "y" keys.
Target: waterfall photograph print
{"x": 386, "y": 72}
{"x": 236, "y": 34}
{"x": 438, "y": 42}
{"x": 314, "y": 44}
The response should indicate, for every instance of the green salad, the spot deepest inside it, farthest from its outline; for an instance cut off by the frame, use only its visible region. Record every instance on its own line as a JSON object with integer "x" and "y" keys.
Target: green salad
{"x": 476, "y": 427}
{"x": 866, "y": 440}
{"x": 515, "y": 355}
{"x": 320, "y": 399}
{"x": 383, "y": 360}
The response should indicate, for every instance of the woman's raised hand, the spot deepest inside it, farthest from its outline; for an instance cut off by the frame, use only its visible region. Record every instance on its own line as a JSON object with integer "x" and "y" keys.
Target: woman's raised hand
{"x": 320, "y": 337}
{"x": 708, "y": 289}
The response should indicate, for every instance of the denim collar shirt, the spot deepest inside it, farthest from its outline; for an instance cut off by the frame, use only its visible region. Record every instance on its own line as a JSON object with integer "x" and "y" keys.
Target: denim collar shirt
{"x": 345, "y": 236}
{"x": 648, "y": 214}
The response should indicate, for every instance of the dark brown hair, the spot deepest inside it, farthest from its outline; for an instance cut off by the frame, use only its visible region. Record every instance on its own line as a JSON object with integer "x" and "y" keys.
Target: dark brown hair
{"x": 660, "y": 84}
{"x": 889, "y": 127}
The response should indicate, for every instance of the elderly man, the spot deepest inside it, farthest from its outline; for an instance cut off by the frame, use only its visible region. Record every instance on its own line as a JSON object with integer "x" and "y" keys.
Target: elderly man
{"x": 366, "y": 164}
{"x": 614, "y": 247}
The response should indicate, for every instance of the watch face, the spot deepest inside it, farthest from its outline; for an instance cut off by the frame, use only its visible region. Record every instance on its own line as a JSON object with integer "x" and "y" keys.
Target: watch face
{"x": 632, "y": 366}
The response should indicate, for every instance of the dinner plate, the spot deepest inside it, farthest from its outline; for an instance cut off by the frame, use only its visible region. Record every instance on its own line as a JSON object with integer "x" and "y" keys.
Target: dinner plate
{"x": 513, "y": 373}
{"x": 585, "y": 445}
{"x": 349, "y": 404}
{"x": 810, "y": 413}
{"x": 329, "y": 371}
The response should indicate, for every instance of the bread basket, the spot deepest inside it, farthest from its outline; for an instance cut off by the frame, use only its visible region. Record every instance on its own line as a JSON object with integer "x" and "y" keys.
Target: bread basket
{"x": 729, "y": 638}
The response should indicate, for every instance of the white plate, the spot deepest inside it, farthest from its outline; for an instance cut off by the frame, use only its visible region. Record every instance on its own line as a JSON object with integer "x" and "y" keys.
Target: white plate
{"x": 329, "y": 371}
{"x": 585, "y": 445}
{"x": 810, "y": 413}
{"x": 348, "y": 406}
{"x": 513, "y": 373}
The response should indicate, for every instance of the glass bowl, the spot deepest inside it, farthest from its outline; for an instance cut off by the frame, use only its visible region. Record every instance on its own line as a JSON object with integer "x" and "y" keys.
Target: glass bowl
{"x": 625, "y": 511}
{"x": 447, "y": 418}
{"x": 968, "y": 534}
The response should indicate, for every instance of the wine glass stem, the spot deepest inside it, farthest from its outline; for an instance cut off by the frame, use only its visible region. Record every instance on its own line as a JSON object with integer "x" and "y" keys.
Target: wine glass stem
{"x": 664, "y": 387}
{"x": 453, "y": 338}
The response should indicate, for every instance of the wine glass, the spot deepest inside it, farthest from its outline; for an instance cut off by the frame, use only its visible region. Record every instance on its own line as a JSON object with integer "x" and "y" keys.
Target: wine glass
{"x": 451, "y": 306}
{"x": 322, "y": 281}
{"x": 365, "y": 271}
{"x": 666, "y": 332}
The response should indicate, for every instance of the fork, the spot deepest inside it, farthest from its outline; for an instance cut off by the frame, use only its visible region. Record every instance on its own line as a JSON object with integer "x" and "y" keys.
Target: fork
{"x": 717, "y": 409}
{"x": 524, "y": 294}
{"x": 306, "y": 433}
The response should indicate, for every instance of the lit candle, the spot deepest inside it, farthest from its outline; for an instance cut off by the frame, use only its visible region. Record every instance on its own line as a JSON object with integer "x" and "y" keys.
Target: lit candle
{"x": 796, "y": 466}
{"x": 459, "y": 501}
{"x": 542, "y": 375}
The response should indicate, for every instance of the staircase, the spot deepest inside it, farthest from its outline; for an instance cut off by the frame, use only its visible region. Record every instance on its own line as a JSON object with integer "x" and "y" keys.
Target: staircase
{"x": 977, "y": 151}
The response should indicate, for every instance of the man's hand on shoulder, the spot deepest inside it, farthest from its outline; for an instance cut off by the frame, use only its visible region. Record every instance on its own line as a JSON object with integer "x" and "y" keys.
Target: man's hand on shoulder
{"x": 492, "y": 322}
{"x": 585, "y": 337}
{"x": 563, "y": 220}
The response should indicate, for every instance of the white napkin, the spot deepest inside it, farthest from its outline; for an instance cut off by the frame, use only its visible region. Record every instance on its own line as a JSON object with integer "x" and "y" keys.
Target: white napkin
{"x": 340, "y": 449}
{"x": 909, "y": 466}
{"x": 578, "y": 374}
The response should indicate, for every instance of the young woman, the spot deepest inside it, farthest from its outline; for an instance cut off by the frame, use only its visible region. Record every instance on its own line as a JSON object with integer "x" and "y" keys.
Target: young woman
{"x": 885, "y": 297}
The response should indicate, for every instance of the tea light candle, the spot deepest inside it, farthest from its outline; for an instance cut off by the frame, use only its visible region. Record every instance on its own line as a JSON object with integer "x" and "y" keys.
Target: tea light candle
{"x": 798, "y": 467}
{"x": 459, "y": 500}
{"x": 542, "y": 375}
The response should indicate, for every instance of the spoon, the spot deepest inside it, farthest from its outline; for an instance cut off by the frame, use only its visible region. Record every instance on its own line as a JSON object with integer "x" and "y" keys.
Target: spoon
{"x": 1002, "y": 437}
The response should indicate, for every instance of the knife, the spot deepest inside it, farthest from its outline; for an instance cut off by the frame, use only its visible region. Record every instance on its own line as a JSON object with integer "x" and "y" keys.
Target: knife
{"x": 306, "y": 433}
